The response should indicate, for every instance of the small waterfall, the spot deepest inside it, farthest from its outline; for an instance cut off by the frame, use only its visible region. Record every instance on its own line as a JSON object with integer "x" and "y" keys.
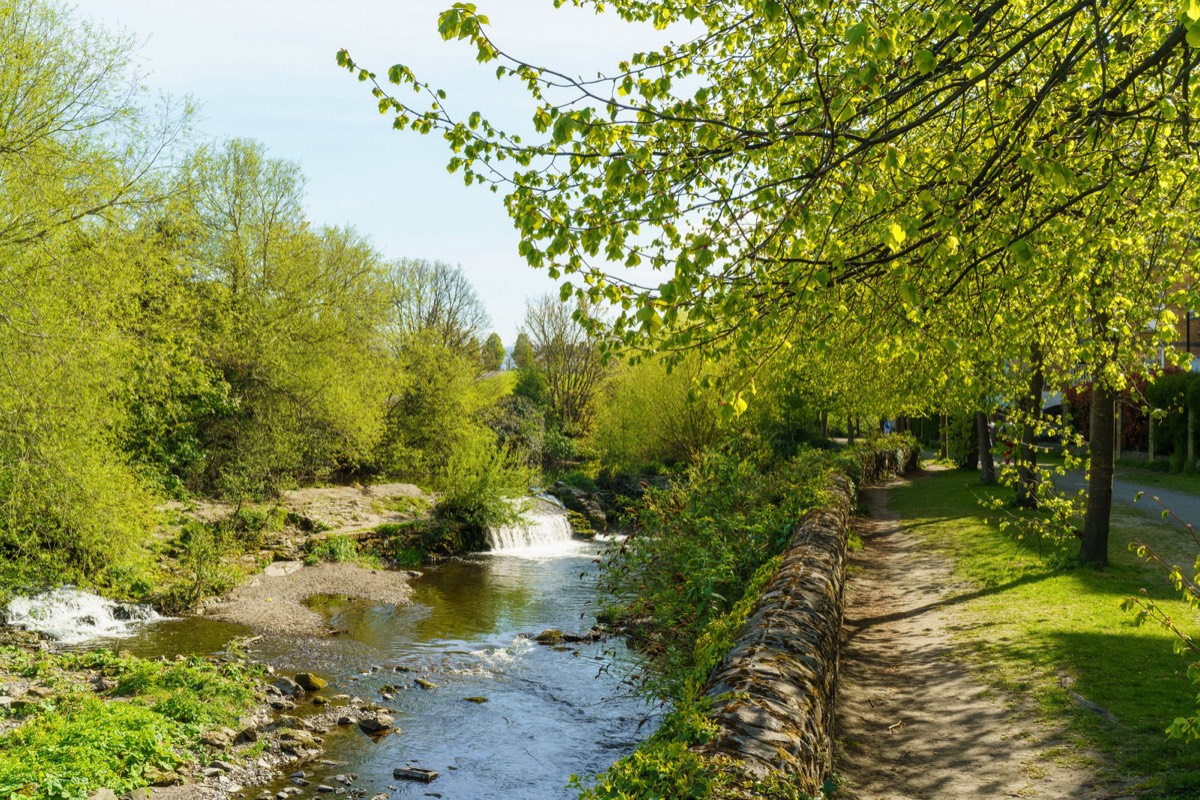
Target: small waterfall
{"x": 69, "y": 615}
{"x": 542, "y": 532}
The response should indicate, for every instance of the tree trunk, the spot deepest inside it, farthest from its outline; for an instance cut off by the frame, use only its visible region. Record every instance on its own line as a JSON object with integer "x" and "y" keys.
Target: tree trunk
{"x": 1027, "y": 474}
{"x": 1150, "y": 436}
{"x": 849, "y": 429}
{"x": 944, "y": 436}
{"x": 1119, "y": 436}
{"x": 1191, "y": 442}
{"x": 1093, "y": 548}
{"x": 987, "y": 466}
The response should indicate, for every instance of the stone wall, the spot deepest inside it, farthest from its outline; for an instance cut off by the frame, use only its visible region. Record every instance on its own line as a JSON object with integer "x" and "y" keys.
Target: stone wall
{"x": 774, "y": 692}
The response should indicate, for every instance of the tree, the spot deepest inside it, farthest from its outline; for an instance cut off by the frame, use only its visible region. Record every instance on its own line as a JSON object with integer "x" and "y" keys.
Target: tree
{"x": 791, "y": 166}
{"x": 76, "y": 141}
{"x": 293, "y": 321}
{"x": 522, "y": 354}
{"x": 492, "y": 354}
{"x": 566, "y": 356}
{"x": 438, "y": 298}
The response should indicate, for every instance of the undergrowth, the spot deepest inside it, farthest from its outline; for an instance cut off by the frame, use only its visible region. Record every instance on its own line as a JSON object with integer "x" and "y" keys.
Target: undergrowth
{"x": 144, "y": 718}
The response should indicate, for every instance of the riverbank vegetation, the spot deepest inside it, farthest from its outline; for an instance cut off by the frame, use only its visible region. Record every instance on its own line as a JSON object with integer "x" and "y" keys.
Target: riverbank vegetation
{"x": 97, "y": 720}
{"x": 683, "y": 585}
{"x": 174, "y": 327}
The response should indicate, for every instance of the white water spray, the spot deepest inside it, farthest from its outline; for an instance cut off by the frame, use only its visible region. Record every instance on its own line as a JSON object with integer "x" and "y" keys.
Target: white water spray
{"x": 542, "y": 532}
{"x": 70, "y": 616}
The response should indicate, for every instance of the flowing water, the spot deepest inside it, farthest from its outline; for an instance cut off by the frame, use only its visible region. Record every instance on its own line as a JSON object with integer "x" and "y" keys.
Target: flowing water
{"x": 70, "y": 616}
{"x": 550, "y": 712}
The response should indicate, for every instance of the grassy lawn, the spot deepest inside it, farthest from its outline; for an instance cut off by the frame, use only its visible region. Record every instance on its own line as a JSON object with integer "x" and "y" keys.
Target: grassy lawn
{"x": 1030, "y": 625}
{"x": 1186, "y": 482}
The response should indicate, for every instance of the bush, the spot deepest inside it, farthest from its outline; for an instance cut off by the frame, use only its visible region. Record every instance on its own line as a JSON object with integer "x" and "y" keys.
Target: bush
{"x": 333, "y": 548}
{"x": 478, "y": 490}
{"x": 697, "y": 546}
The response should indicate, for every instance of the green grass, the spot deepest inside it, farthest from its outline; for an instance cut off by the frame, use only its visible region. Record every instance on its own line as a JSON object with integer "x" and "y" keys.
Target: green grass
{"x": 1026, "y": 624}
{"x": 1186, "y": 482}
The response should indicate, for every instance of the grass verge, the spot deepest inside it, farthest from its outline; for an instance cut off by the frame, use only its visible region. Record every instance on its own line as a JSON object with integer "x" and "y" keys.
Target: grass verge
{"x": 1031, "y": 627}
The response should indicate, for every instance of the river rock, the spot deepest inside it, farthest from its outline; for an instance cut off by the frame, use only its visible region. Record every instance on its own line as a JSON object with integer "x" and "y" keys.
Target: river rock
{"x": 136, "y": 794}
{"x": 551, "y": 636}
{"x": 310, "y": 682}
{"x": 288, "y": 686}
{"x": 163, "y": 777}
{"x": 104, "y": 794}
{"x": 424, "y": 684}
{"x": 581, "y": 502}
{"x": 218, "y": 739}
{"x": 376, "y": 723}
{"x": 246, "y": 735}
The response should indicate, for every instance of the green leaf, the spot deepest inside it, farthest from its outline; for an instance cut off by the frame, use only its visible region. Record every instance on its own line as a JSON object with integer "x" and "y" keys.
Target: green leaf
{"x": 926, "y": 61}
{"x": 1021, "y": 251}
{"x": 1191, "y": 10}
{"x": 1193, "y": 34}
{"x": 894, "y": 237}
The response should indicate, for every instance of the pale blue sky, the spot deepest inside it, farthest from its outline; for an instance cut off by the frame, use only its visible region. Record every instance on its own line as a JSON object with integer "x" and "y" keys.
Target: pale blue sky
{"x": 265, "y": 69}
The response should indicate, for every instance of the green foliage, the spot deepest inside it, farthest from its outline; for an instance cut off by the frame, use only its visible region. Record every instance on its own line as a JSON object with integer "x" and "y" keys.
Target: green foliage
{"x": 522, "y": 354}
{"x": 78, "y": 742}
{"x": 479, "y": 491}
{"x": 493, "y": 353}
{"x": 533, "y": 386}
{"x": 337, "y": 549}
{"x": 697, "y": 546}
{"x": 655, "y": 416}
{"x": 432, "y": 413}
{"x": 962, "y": 440}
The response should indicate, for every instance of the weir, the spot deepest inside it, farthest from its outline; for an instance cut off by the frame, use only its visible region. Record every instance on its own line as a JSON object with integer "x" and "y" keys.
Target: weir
{"x": 70, "y": 616}
{"x": 542, "y": 532}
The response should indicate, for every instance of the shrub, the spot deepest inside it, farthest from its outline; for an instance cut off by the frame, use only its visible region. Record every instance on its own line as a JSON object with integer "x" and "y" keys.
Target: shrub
{"x": 478, "y": 490}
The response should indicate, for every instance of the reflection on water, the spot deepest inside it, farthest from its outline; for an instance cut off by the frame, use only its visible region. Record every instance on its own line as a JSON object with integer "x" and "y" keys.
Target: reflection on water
{"x": 549, "y": 712}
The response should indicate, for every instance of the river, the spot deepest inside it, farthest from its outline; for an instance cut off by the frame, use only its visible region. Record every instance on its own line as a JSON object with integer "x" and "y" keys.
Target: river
{"x": 550, "y": 712}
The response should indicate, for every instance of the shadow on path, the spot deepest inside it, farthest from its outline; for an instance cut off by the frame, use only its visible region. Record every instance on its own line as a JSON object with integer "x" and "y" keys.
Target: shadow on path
{"x": 912, "y": 721}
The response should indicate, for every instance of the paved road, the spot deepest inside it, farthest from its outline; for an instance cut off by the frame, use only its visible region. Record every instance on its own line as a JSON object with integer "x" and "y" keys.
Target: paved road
{"x": 1186, "y": 506}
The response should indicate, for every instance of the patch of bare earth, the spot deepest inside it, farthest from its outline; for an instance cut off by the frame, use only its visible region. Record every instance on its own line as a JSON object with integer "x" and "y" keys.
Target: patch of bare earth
{"x": 273, "y": 601}
{"x": 913, "y": 721}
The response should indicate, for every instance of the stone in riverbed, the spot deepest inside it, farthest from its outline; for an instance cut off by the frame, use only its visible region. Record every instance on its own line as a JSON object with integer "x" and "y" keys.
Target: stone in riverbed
{"x": 310, "y": 682}
{"x": 288, "y": 686}
{"x": 551, "y": 636}
{"x": 424, "y": 684}
{"x": 377, "y": 723}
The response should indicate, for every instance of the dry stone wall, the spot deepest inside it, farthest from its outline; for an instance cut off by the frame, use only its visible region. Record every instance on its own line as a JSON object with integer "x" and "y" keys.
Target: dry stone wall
{"x": 774, "y": 692}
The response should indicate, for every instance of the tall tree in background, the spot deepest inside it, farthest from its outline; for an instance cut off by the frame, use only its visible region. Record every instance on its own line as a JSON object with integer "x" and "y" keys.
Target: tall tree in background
{"x": 435, "y": 297}
{"x": 522, "y": 354}
{"x": 568, "y": 358}
{"x": 492, "y": 354}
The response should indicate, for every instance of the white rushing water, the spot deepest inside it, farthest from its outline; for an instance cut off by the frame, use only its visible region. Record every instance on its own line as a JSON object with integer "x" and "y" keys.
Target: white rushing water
{"x": 542, "y": 532}
{"x": 69, "y": 615}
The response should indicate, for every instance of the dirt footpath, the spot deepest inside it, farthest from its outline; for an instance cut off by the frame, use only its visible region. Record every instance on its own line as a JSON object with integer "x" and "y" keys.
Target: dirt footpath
{"x": 912, "y": 722}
